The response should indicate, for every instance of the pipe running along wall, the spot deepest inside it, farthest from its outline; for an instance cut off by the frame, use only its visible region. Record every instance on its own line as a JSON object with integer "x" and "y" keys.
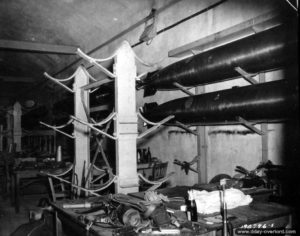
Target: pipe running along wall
{"x": 263, "y": 51}
{"x": 271, "y": 101}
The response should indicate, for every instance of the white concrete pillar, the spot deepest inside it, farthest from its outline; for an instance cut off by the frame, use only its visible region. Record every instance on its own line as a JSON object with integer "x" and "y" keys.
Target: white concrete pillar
{"x": 126, "y": 120}
{"x": 17, "y": 129}
{"x": 81, "y": 131}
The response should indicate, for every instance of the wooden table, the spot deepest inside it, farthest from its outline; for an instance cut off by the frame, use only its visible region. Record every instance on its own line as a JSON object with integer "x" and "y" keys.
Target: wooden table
{"x": 17, "y": 176}
{"x": 264, "y": 214}
{"x": 29, "y": 171}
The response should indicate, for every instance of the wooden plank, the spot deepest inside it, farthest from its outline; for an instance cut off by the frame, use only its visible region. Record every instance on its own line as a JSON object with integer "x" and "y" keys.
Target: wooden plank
{"x": 96, "y": 84}
{"x": 37, "y": 47}
{"x": 242, "y": 30}
{"x": 264, "y": 129}
{"x": 201, "y": 147}
{"x": 99, "y": 108}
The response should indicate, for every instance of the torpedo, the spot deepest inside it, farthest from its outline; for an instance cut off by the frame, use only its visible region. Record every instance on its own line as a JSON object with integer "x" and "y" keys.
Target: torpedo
{"x": 265, "y": 102}
{"x": 266, "y": 50}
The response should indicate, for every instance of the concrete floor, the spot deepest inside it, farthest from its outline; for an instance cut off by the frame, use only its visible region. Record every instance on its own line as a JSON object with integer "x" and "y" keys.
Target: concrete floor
{"x": 9, "y": 219}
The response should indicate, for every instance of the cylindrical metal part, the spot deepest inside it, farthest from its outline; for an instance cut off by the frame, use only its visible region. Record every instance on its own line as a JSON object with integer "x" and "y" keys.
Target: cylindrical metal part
{"x": 263, "y": 51}
{"x": 271, "y": 101}
{"x": 58, "y": 154}
{"x": 77, "y": 205}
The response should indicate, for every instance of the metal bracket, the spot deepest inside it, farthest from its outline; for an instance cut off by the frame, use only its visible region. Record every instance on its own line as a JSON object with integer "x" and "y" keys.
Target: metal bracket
{"x": 155, "y": 125}
{"x": 183, "y": 89}
{"x": 56, "y": 128}
{"x": 58, "y": 81}
{"x": 94, "y": 62}
{"x": 95, "y": 84}
{"x": 92, "y": 126}
{"x": 246, "y": 75}
{"x": 249, "y": 125}
{"x": 186, "y": 128}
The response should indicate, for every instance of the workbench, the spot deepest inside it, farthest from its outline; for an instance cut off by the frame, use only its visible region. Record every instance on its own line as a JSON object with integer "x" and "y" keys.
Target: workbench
{"x": 257, "y": 214}
{"x": 17, "y": 176}
{"x": 30, "y": 175}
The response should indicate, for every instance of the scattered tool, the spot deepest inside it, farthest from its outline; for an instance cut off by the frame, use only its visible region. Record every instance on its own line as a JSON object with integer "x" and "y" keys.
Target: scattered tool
{"x": 224, "y": 206}
{"x": 186, "y": 166}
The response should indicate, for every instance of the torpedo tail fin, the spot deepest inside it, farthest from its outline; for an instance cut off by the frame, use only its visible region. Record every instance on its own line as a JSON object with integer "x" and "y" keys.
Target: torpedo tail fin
{"x": 147, "y": 109}
{"x": 149, "y": 91}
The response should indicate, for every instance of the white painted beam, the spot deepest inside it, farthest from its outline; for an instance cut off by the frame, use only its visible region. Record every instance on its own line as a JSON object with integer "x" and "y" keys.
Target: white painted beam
{"x": 126, "y": 120}
{"x": 37, "y": 47}
{"x": 81, "y": 131}
{"x": 17, "y": 130}
{"x": 236, "y": 32}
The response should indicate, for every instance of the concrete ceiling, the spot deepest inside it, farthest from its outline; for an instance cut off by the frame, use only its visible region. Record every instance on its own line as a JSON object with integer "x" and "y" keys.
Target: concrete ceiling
{"x": 86, "y": 24}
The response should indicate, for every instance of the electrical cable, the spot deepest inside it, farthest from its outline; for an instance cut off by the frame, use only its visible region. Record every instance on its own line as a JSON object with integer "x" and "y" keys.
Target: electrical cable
{"x": 130, "y": 28}
{"x": 184, "y": 19}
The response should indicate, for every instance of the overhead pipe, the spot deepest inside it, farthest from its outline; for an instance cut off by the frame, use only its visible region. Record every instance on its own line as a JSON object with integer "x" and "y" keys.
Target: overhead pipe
{"x": 263, "y": 51}
{"x": 266, "y": 102}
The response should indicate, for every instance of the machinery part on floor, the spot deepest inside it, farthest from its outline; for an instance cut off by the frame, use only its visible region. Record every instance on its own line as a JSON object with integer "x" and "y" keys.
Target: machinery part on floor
{"x": 271, "y": 101}
{"x": 129, "y": 216}
{"x": 250, "y": 178}
{"x": 263, "y": 51}
{"x": 217, "y": 178}
{"x": 160, "y": 216}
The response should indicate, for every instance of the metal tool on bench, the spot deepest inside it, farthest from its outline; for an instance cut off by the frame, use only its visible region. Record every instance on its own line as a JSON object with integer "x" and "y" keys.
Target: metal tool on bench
{"x": 251, "y": 178}
{"x": 223, "y": 206}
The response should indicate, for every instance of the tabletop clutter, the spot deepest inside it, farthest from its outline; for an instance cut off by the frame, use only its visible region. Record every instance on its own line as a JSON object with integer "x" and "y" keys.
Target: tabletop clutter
{"x": 156, "y": 212}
